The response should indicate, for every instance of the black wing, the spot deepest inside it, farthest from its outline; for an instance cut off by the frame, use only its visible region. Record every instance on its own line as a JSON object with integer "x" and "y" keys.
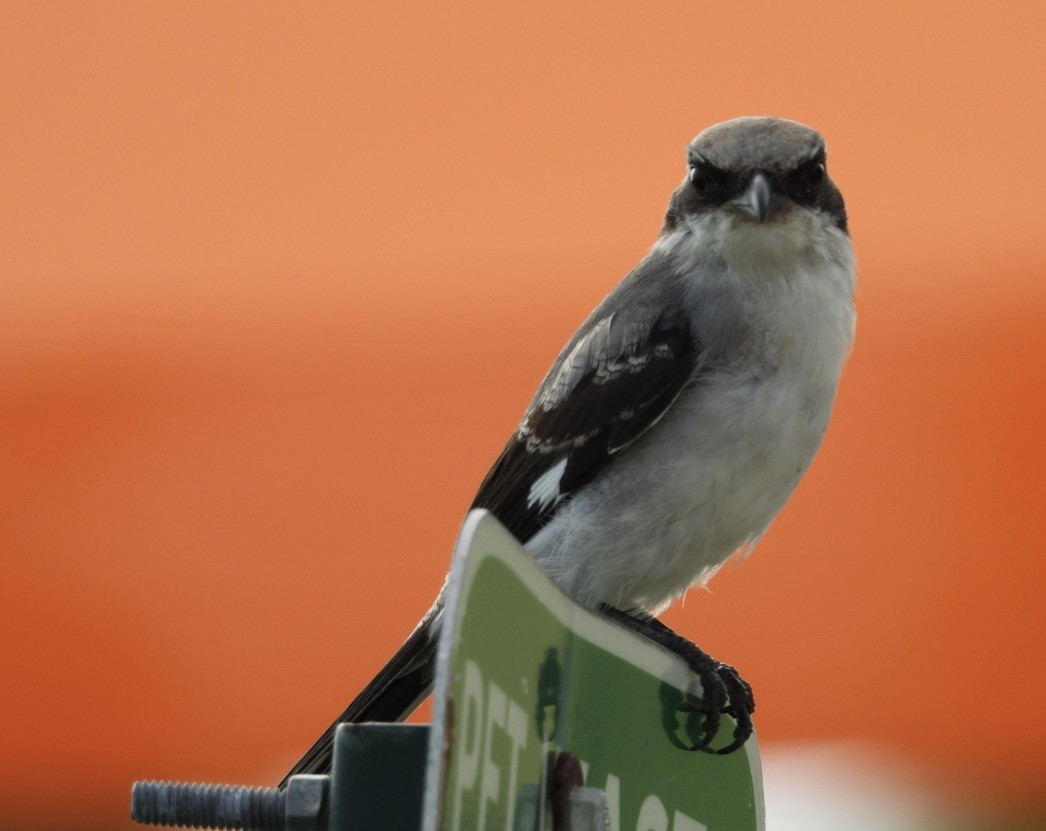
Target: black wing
{"x": 612, "y": 383}
{"x": 614, "y": 380}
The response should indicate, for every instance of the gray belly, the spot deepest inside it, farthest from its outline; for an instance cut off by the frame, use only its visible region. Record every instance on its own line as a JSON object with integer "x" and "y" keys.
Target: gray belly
{"x": 671, "y": 510}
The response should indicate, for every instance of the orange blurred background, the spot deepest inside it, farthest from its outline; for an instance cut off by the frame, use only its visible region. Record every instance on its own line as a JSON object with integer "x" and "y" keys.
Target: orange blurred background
{"x": 279, "y": 279}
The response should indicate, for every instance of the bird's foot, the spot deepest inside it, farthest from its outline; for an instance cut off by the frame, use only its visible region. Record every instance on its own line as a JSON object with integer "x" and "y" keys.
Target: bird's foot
{"x": 733, "y": 696}
{"x": 723, "y": 690}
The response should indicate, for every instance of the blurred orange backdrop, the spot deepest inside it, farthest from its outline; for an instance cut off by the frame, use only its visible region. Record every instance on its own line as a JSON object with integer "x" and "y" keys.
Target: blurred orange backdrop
{"x": 278, "y": 280}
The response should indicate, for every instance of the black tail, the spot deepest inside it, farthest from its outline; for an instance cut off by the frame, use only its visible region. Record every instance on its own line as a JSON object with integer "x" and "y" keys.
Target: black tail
{"x": 391, "y": 695}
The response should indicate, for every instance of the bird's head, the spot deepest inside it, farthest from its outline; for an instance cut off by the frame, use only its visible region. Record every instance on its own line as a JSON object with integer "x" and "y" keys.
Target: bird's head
{"x": 756, "y": 171}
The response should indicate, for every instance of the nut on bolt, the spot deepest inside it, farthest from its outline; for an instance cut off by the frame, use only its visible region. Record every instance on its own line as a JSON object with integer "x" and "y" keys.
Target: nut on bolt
{"x": 307, "y": 802}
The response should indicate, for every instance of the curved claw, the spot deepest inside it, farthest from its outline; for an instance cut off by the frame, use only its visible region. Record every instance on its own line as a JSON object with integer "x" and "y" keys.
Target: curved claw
{"x": 723, "y": 691}
{"x": 714, "y": 692}
{"x": 710, "y": 705}
{"x": 742, "y": 704}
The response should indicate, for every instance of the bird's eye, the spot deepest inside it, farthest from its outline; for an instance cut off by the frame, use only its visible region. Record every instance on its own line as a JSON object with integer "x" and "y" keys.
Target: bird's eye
{"x": 705, "y": 181}
{"x": 814, "y": 174}
{"x": 806, "y": 181}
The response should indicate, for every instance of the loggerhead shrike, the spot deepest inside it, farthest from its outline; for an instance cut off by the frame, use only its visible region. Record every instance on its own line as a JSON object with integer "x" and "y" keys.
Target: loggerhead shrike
{"x": 681, "y": 415}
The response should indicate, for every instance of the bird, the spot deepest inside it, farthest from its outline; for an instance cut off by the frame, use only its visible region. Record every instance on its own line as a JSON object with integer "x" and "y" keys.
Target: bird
{"x": 679, "y": 418}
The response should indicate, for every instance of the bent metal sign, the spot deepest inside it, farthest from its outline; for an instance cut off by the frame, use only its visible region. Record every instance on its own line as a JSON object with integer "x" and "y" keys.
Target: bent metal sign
{"x": 526, "y": 676}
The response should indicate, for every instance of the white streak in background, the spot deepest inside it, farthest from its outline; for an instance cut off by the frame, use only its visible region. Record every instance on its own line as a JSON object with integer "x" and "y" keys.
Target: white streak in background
{"x": 545, "y": 490}
{"x": 850, "y": 787}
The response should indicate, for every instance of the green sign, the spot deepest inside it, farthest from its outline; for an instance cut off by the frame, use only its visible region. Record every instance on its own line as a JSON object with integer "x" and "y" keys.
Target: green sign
{"x": 524, "y": 673}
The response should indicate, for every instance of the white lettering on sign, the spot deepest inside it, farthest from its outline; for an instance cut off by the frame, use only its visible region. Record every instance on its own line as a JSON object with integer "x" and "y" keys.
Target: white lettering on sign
{"x": 467, "y": 740}
{"x": 652, "y": 815}
{"x": 681, "y": 822}
{"x": 490, "y": 784}
{"x": 613, "y": 792}
{"x": 492, "y": 732}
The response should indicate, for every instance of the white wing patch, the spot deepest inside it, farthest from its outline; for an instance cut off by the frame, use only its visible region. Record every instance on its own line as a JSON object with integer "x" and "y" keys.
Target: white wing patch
{"x": 545, "y": 490}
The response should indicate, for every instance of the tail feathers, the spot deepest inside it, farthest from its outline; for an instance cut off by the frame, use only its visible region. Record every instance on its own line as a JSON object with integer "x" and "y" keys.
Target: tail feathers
{"x": 390, "y": 696}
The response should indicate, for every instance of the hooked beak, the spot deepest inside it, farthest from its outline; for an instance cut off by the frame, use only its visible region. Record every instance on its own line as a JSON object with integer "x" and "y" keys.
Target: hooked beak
{"x": 756, "y": 198}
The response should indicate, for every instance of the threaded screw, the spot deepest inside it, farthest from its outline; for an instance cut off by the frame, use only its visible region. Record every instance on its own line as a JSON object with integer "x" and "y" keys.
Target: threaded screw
{"x": 193, "y": 805}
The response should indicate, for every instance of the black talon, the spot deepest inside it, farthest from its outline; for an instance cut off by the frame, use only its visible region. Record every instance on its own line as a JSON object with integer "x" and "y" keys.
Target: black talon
{"x": 714, "y": 695}
{"x": 723, "y": 690}
{"x": 742, "y": 704}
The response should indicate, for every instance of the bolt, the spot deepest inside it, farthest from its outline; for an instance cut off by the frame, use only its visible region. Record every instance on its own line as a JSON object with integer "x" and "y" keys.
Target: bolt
{"x": 301, "y": 807}
{"x": 567, "y": 777}
{"x": 589, "y": 810}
